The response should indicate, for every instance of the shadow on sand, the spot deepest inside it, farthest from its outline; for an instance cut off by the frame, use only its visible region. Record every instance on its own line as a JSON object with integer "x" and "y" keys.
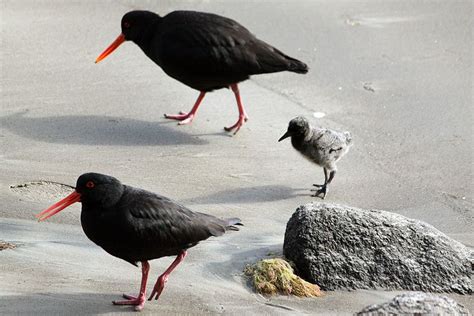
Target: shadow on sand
{"x": 62, "y": 304}
{"x": 96, "y": 130}
{"x": 255, "y": 194}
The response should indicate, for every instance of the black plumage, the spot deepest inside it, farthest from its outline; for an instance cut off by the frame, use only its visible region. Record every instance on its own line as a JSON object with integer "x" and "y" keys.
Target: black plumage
{"x": 204, "y": 51}
{"x": 136, "y": 225}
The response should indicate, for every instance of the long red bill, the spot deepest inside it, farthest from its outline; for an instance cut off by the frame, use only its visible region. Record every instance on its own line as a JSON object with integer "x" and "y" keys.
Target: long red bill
{"x": 59, "y": 206}
{"x": 119, "y": 40}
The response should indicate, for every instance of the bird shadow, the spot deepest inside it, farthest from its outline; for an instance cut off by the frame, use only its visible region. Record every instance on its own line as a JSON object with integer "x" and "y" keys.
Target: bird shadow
{"x": 96, "y": 130}
{"x": 61, "y": 304}
{"x": 254, "y": 194}
{"x": 223, "y": 133}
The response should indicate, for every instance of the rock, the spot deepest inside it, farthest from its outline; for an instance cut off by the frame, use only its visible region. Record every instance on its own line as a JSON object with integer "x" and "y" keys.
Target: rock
{"x": 416, "y": 303}
{"x": 340, "y": 247}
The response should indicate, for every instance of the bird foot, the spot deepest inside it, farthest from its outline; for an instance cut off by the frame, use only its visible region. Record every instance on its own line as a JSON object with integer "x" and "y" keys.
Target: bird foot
{"x": 158, "y": 288}
{"x": 183, "y": 117}
{"x": 318, "y": 185}
{"x": 242, "y": 119}
{"x": 139, "y": 301}
{"x": 322, "y": 191}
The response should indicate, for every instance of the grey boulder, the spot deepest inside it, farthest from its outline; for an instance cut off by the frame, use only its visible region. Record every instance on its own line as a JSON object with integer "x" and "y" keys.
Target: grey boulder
{"x": 340, "y": 247}
{"x": 416, "y": 303}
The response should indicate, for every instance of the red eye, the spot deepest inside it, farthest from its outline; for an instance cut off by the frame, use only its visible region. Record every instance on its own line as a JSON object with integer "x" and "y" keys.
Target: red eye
{"x": 90, "y": 184}
{"x": 126, "y": 25}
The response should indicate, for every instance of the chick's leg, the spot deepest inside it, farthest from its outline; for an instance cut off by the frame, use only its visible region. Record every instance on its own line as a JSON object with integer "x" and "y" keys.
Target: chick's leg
{"x": 325, "y": 180}
{"x": 323, "y": 188}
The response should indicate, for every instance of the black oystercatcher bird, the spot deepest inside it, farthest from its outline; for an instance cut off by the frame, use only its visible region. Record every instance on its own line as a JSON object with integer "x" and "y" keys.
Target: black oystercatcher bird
{"x": 136, "y": 225}
{"x": 204, "y": 51}
{"x": 321, "y": 146}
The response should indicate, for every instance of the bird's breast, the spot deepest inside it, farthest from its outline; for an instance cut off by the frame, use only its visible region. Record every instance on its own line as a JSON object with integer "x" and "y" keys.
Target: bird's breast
{"x": 95, "y": 227}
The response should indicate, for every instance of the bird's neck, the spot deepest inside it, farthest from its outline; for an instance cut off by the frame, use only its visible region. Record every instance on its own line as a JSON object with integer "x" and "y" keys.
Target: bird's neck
{"x": 145, "y": 40}
{"x": 90, "y": 222}
{"x": 298, "y": 141}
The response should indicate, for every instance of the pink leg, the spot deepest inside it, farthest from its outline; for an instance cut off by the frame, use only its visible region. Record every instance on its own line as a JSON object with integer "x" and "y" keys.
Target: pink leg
{"x": 162, "y": 279}
{"x": 138, "y": 301}
{"x": 242, "y": 114}
{"x": 184, "y": 117}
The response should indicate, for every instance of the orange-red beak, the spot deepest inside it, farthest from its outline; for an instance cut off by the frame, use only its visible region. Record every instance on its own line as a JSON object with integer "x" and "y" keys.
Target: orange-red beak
{"x": 119, "y": 40}
{"x": 59, "y": 206}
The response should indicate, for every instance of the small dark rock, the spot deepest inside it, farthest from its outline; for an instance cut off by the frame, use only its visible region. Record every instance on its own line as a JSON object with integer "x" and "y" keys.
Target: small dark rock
{"x": 340, "y": 247}
{"x": 416, "y": 303}
{"x": 6, "y": 245}
{"x": 368, "y": 86}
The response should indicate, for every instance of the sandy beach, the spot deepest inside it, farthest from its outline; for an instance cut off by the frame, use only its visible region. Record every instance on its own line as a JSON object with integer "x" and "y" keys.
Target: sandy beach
{"x": 397, "y": 74}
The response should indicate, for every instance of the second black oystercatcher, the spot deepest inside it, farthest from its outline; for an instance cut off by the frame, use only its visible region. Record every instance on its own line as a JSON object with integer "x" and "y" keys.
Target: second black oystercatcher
{"x": 136, "y": 225}
{"x": 204, "y": 51}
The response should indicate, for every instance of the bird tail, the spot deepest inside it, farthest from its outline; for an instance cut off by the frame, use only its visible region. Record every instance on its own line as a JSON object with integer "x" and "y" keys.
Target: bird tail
{"x": 231, "y": 222}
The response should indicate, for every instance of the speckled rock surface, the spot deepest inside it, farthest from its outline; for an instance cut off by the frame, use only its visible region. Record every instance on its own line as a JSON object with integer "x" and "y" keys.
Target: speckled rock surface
{"x": 416, "y": 303}
{"x": 340, "y": 247}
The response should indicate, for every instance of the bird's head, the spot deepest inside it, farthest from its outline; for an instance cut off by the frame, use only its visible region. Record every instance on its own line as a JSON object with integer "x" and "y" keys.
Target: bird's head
{"x": 297, "y": 127}
{"x": 99, "y": 189}
{"x": 134, "y": 24}
{"x": 91, "y": 188}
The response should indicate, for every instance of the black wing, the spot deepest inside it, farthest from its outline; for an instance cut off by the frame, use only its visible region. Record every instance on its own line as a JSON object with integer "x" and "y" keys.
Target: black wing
{"x": 211, "y": 44}
{"x": 166, "y": 223}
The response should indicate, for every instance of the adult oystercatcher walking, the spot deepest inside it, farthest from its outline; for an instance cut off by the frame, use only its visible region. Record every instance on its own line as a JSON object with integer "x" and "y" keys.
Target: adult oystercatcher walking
{"x": 204, "y": 51}
{"x": 136, "y": 225}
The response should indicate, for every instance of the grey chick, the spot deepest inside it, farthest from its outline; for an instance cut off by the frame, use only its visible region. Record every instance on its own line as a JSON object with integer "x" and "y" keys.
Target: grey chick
{"x": 322, "y": 146}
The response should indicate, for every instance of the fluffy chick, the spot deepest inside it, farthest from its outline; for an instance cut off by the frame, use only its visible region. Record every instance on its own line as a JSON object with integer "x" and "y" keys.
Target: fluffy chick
{"x": 321, "y": 146}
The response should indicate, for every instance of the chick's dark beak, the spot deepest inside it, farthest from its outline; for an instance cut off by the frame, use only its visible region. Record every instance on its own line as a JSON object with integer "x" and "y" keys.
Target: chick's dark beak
{"x": 286, "y": 135}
